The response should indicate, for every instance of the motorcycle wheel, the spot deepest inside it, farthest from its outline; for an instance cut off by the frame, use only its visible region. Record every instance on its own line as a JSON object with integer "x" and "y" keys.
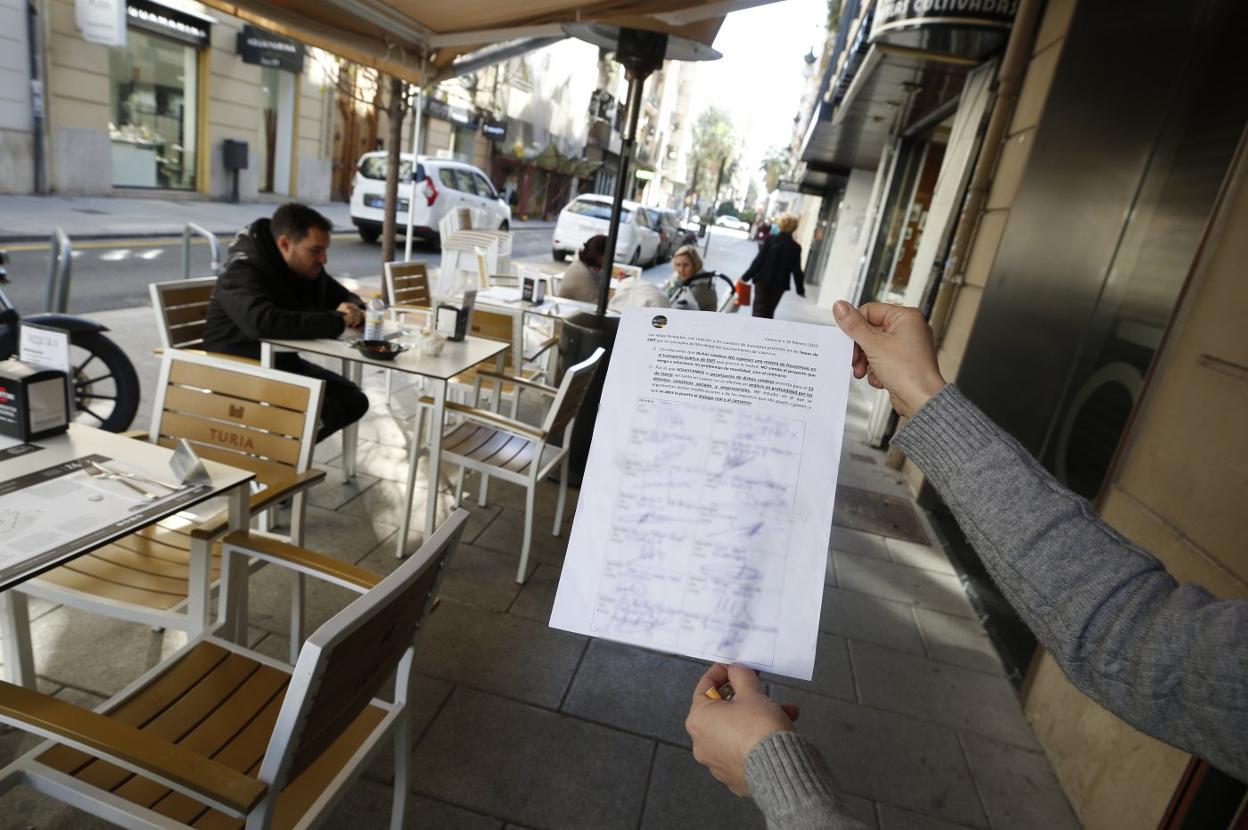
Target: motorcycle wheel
{"x": 106, "y": 387}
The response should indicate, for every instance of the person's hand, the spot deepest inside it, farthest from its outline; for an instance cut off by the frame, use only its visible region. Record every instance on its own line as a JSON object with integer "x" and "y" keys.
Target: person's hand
{"x": 352, "y": 313}
{"x": 724, "y": 731}
{"x": 893, "y": 350}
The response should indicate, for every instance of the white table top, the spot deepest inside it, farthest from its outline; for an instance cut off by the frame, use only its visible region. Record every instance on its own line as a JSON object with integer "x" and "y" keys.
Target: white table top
{"x": 129, "y": 454}
{"x": 454, "y": 359}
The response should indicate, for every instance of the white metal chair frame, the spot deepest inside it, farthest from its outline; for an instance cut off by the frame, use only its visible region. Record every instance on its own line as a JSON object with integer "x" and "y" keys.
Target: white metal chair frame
{"x": 311, "y": 689}
{"x": 544, "y": 457}
{"x": 193, "y": 613}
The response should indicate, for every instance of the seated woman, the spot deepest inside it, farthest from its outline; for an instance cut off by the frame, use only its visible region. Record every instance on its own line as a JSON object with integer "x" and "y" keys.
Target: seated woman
{"x": 581, "y": 280}
{"x": 690, "y": 279}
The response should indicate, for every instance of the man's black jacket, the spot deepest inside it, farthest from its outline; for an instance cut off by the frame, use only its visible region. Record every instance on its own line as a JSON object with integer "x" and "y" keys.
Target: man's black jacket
{"x": 257, "y": 296}
{"x": 779, "y": 257}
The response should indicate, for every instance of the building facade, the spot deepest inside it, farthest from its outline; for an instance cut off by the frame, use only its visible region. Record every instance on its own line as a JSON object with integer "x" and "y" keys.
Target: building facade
{"x": 1064, "y": 206}
{"x": 154, "y": 111}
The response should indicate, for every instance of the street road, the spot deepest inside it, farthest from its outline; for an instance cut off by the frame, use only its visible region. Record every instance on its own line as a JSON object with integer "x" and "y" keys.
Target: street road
{"x": 114, "y": 273}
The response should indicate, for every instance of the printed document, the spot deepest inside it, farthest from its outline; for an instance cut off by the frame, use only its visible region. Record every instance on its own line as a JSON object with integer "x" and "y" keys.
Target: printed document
{"x": 706, "y": 506}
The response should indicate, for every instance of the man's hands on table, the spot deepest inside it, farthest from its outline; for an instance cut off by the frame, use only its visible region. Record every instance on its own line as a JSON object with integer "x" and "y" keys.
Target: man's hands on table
{"x": 352, "y": 314}
{"x": 724, "y": 731}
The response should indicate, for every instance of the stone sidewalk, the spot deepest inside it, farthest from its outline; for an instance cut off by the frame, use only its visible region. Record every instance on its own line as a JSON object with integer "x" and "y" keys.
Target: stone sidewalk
{"x": 518, "y": 725}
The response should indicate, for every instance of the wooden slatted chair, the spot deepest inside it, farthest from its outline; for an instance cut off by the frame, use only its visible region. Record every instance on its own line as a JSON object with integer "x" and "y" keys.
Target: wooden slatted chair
{"x": 508, "y": 328}
{"x": 502, "y": 447}
{"x": 181, "y": 308}
{"x": 240, "y": 415}
{"x": 406, "y": 289}
{"x": 218, "y": 736}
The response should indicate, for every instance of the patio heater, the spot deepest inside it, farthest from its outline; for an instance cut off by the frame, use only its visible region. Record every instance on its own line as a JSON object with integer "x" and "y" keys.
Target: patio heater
{"x": 641, "y": 52}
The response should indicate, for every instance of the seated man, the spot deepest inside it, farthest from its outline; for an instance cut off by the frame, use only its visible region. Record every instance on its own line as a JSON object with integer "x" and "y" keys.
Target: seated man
{"x": 582, "y": 278}
{"x": 274, "y": 285}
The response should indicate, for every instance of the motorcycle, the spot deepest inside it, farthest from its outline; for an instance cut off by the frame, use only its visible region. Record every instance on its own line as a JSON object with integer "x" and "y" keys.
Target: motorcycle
{"x": 106, "y": 387}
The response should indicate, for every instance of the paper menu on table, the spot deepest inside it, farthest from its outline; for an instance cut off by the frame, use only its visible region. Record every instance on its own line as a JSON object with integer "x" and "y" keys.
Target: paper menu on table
{"x": 705, "y": 510}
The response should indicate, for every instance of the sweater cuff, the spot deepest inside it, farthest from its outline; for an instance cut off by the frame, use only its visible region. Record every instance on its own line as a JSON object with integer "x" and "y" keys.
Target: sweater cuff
{"x": 784, "y": 770}
{"x": 945, "y": 433}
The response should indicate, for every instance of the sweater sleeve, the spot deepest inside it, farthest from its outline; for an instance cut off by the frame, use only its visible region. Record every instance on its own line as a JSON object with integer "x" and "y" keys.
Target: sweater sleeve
{"x": 790, "y": 782}
{"x": 241, "y": 293}
{"x": 1170, "y": 659}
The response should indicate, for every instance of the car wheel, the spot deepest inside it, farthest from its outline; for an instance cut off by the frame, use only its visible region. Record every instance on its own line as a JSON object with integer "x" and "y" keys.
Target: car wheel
{"x": 558, "y": 255}
{"x": 369, "y": 234}
{"x": 506, "y": 226}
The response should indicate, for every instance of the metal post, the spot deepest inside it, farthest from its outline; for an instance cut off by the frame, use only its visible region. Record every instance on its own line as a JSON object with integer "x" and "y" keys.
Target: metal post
{"x": 636, "y": 84}
{"x": 60, "y": 272}
{"x": 411, "y": 192}
{"x": 214, "y": 248}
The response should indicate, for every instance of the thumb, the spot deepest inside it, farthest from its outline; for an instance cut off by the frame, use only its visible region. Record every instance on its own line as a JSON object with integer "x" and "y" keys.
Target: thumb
{"x": 744, "y": 679}
{"x": 852, "y": 322}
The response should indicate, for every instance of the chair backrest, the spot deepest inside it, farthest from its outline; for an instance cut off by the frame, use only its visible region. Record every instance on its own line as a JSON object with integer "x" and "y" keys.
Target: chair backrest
{"x": 407, "y": 285}
{"x": 347, "y": 660}
{"x": 572, "y": 391}
{"x": 245, "y": 416}
{"x": 181, "y": 306}
{"x": 498, "y": 325}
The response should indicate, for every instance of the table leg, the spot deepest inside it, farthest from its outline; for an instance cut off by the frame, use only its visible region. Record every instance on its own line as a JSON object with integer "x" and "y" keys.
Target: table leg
{"x": 235, "y": 572}
{"x": 19, "y": 659}
{"x": 350, "y": 433}
{"x": 413, "y": 457}
{"x": 435, "y": 455}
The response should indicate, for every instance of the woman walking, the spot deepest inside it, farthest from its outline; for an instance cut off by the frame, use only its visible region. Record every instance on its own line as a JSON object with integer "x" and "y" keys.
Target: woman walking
{"x": 779, "y": 258}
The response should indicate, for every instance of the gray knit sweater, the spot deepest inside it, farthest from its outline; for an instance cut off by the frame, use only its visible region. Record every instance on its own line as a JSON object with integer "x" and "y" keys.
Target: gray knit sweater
{"x": 1170, "y": 659}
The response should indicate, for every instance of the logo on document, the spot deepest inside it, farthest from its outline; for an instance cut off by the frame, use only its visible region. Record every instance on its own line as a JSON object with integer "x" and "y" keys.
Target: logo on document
{"x": 659, "y": 321}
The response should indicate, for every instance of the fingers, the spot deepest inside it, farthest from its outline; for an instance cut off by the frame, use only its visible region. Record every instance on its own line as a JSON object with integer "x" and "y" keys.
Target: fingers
{"x": 853, "y": 323}
{"x": 744, "y": 680}
{"x": 792, "y": 710}
{"x": 859, "y": 362}
{"x": 714, "y": 677}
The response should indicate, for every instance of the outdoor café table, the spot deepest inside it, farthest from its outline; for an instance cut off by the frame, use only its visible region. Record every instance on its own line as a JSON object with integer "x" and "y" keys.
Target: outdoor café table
{"x": 454, "y": 359}
{"x": 52, "y": 512}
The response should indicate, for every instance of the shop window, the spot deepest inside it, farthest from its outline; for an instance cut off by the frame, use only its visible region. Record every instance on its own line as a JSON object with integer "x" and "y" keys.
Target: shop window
{"x": 153, "y": 88}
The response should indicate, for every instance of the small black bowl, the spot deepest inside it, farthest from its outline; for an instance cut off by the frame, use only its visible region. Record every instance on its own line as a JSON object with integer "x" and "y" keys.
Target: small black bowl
{"x": 379, "y": 349}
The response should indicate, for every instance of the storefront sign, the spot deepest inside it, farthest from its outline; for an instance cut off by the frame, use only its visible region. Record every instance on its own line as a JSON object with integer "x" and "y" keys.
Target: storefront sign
{"x": 898, "y": 14}
{"x": 170, "y": 22}
{"x": 267, "y": 49}
{"x": 101, "y": 21}
{"x": 493, "y": 129}
{"x": 458, "y": 115}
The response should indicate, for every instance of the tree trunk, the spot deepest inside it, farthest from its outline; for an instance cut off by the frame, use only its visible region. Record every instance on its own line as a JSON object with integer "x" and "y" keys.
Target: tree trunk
{"x": 394, "y": 136}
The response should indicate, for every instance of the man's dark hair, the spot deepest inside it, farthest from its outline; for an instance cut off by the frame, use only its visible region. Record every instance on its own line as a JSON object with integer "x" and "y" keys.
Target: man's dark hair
{"x": 294, "y": 220}
{"x": 592, "y": 253}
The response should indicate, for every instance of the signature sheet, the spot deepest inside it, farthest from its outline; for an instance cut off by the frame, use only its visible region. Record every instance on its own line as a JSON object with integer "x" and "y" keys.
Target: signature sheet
{"x": 706, "y": 506}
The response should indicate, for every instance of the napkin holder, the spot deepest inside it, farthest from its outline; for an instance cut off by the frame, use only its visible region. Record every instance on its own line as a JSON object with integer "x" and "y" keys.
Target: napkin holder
{"x": 533, "y": 290}
{"x": 452, "y": 320}
{"x": 34, "y": 402}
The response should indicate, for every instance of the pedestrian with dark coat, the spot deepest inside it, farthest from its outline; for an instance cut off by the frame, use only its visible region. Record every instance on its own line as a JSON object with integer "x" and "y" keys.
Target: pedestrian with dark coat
{"x": 779, "y": 259}
{"x": 274, "y": 286}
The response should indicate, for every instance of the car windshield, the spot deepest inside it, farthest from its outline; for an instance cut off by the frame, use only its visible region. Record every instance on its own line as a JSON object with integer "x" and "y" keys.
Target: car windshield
{"x": 374, "y": 167}
{"x": 597, "y": 210}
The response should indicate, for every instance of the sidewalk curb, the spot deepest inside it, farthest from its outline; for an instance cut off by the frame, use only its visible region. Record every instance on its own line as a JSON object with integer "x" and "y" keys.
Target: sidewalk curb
{"x": 177, "y": 234}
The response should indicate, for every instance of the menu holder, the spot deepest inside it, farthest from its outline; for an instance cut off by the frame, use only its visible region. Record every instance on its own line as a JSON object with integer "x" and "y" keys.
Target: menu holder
{"x": 452, "y": 321}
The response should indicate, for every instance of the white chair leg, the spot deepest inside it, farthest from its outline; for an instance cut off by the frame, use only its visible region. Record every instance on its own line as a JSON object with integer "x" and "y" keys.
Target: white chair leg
{"x": 563, "y": 494}
{"x": 389, "y": 384}
{"x": 297, "y": 594}
{"x": 19, "y": 659}
{"x": 528, "y": 529}
{"x": 485, "y": 489}
{"x": 402, "y": 760}
{"x": 459, "y": 483}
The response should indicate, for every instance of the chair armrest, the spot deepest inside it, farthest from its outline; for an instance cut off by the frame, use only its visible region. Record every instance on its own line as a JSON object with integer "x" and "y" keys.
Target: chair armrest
{"x": 142, "y": 752}
{"x": 267, "y": 497}
{"x": 250, "y": 361}
{"x": 303, "y": 560}
{"x": 492, "y": 419}
{"x": 527, "y": 384}
{"x": 541, "y": 348}
{"x": 137, "y": 434}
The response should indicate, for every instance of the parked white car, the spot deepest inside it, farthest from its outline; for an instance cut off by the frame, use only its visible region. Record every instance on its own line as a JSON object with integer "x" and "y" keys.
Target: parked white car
{"x": 442, "y": 185}
{"x": 587, "y": 216}
{"x": 732, "y": 223}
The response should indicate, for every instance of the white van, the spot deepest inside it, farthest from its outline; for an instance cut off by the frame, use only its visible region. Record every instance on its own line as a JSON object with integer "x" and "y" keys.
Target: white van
{"x": 442, "y": 185}
{"x": 587, "y": 216}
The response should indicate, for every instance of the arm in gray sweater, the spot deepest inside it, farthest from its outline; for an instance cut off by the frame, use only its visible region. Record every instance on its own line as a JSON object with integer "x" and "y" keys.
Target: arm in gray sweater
{"x": 1170, "y": 659}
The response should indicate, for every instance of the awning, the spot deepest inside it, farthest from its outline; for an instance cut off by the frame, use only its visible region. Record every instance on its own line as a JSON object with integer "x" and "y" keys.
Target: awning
{"x": 394, "y": 36}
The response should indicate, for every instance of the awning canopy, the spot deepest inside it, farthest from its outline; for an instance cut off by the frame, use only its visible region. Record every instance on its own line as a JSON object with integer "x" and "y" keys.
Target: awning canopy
{"x": 394, "y": 36}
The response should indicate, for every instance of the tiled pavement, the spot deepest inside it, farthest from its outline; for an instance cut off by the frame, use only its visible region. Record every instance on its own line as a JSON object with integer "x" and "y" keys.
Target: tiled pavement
{"x": 519, "y": 725}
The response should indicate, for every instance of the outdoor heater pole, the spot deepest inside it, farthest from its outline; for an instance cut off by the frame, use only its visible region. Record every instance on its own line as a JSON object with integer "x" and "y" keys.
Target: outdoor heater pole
{"x": 636, "y": 84}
